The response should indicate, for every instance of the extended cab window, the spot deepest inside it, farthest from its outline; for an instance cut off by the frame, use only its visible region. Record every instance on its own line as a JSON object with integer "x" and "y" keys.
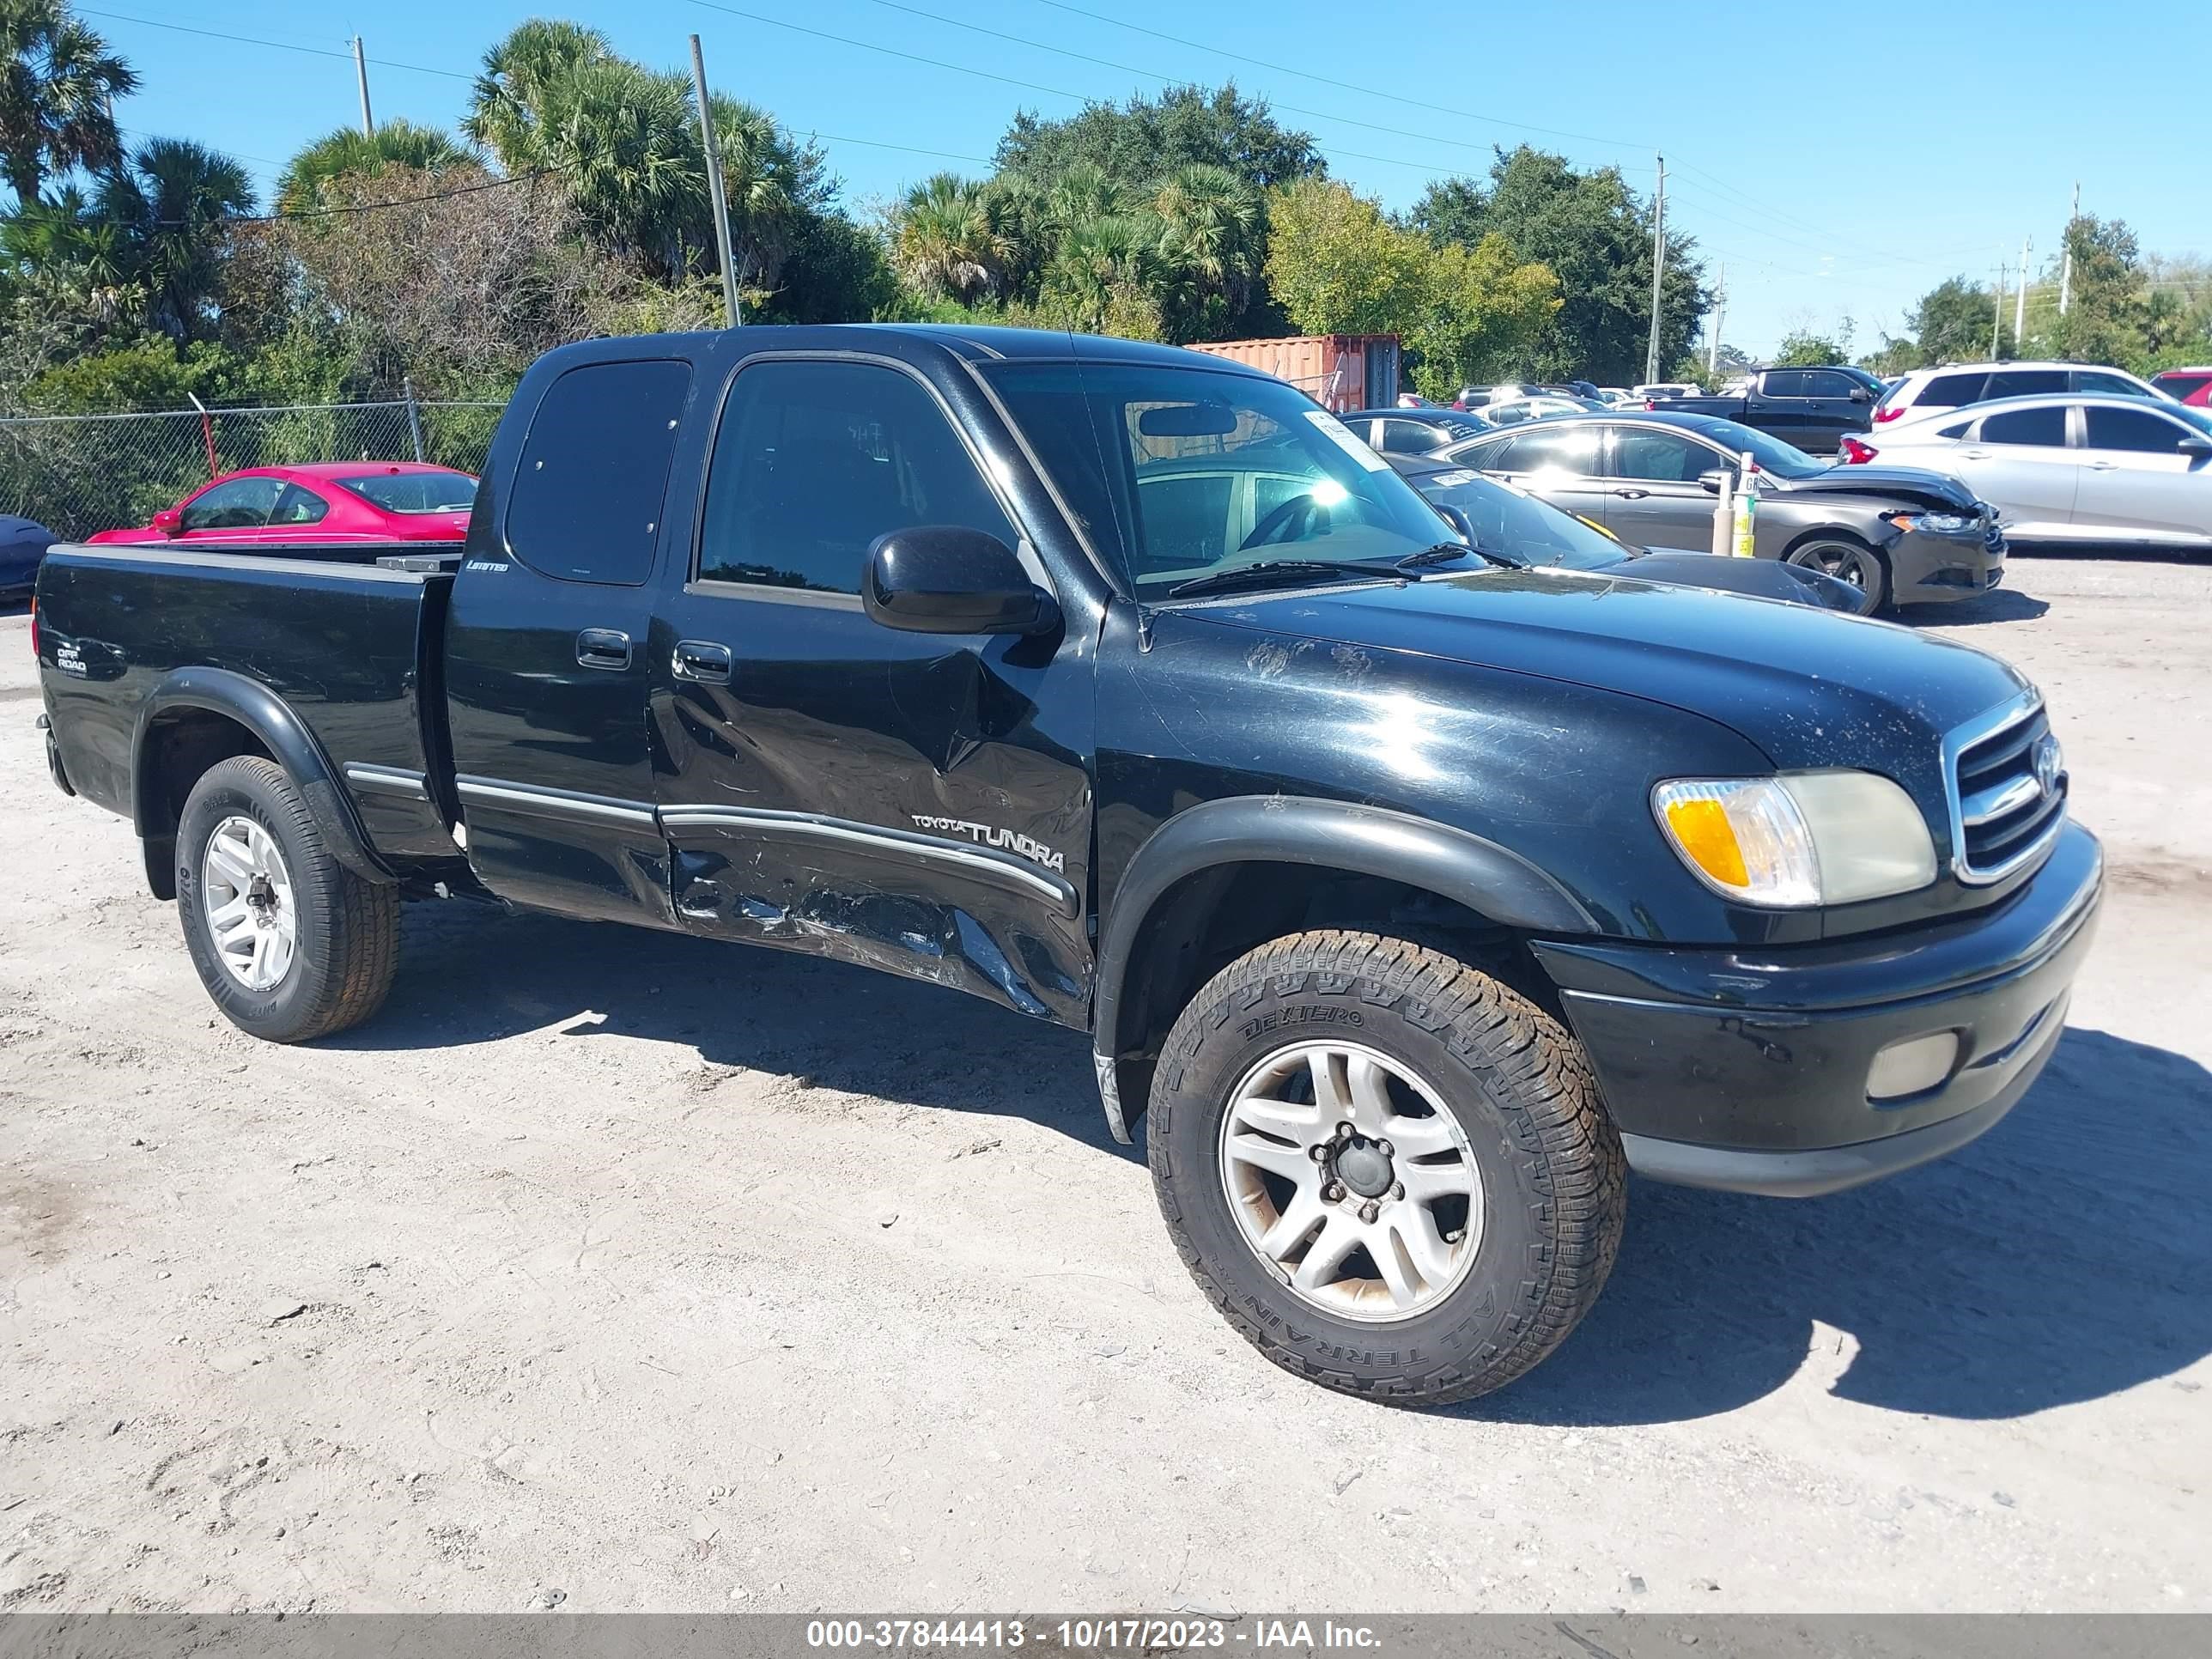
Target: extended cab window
{"x": 1785, "y": 383}
{"x": 586, "y": 498}
{"x": 815, "y": 460}
{"x": 234, "y": 504}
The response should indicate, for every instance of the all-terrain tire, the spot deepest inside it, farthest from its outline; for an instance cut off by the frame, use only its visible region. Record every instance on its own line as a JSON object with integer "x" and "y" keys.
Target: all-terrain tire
{"x": 347, "y": 929}
{"x": 1549, "y": 1158}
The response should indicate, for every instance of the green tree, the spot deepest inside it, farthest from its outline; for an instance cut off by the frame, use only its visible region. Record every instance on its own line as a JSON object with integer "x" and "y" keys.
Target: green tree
{"x": 1149, "y": 139}
{"x": 171, "y": 201}
{"x": 1338, "y": 265}
{"x": 1802, "y": 348}
{"x": 948, "y": 240}
{"x": 2105, "y": 319}
{"x": 1595, "y": 235}
{"x": 1951, "y": 323}
{"x": 1210, "y": 247}
{"x": 58, "y": 82}
{"x": 347, "y": 151}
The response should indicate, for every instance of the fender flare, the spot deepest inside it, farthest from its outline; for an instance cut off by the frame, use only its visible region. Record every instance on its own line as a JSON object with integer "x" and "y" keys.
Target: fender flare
{"x": 1368, "y": 841}
{"x": 281, "y": 732}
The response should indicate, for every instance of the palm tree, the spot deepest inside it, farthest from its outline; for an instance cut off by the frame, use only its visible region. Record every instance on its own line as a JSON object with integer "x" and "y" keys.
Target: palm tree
{"x": 1102, "y": 265}
{"x": 58, "y": 82}
{"x": 946, "y": 239}
{"x": 770, "y": 183}
{"x": 170, "y": 200}
{"x": 1209, "y": 244}
{"x": 506, "y": 104}
{"x": 349, "y": 152}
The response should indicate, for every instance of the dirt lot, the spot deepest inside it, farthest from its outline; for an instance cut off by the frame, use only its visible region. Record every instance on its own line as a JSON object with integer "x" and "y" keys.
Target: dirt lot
{"x": 608, "y": 1270}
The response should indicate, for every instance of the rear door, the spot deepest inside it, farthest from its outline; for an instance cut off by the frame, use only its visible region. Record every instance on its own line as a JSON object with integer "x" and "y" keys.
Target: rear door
{"x": 2018, "y": 459}
{"x": 1778, "y": 403}
{"x": 2134, "y": 475}
{"x": 546, "y": 639}
{"x": 847, "y": 789}
{"x": 1834, "y": 404}
{"x": 1563, "y": 464}
{"x": 1654, "y": 498}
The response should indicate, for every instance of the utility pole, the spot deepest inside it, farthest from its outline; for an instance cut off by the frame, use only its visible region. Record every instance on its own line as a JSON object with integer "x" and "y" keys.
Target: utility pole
{"x": 2066, "y": 265}
{"x": 1996, "y": 322}
{"x": 1658, "y": 269}
{"x": 730, "y": 311}
{"x": 1720, "y": 310}
{"x": 360, "y": 73}
{"x": 2019, "y": 299}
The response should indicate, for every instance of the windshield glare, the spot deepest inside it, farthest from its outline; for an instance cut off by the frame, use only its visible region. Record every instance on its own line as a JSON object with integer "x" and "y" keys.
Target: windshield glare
{"x": 1507, "y": 520}
{"x": 416, "y": 492}
{"x": 1185, "y": 472}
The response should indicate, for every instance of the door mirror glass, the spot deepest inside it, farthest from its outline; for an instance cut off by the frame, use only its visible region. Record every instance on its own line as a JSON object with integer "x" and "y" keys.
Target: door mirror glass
{"x": 1715, "y": 481}
{"x": 949, "y": 579}
{"x": 2194, "y": 447}
{"x": 1861, "y": 395}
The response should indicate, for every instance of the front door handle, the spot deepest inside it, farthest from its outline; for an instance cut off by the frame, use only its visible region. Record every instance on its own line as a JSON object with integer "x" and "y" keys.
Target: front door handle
{"x": 702, "y": 660}
{"x": 2103, "y": 466}
{"x": 603, "y": 648}
{"x": 1631, "y": 495}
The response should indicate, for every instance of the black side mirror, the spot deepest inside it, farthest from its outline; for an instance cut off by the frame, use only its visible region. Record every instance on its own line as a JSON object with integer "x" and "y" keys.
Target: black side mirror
{"x": 2194, "y": 447}
{"x": 1716, "y": 481}
{"x": 949, "y": 579}
{"x": 1457, "y": 519}
{"x": 1861, "y": 395}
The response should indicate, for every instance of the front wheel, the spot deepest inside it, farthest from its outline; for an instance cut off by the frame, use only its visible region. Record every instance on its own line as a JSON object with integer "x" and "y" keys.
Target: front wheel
{"x": 289, "y": 943}
{"x": 1848, "y": 560}
{"x": 1390, "y": 1172}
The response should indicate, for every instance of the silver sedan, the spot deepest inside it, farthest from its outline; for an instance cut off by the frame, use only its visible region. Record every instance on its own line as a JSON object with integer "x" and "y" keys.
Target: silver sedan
{"x": 2070, "y": 468}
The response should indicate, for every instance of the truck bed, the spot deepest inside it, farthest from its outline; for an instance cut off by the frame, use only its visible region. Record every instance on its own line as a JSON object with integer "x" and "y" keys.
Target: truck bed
{"x": 347, "y": 635}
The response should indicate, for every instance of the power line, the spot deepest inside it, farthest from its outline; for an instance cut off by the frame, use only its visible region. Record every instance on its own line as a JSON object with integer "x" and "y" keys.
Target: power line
{"x": 277, "y": 45}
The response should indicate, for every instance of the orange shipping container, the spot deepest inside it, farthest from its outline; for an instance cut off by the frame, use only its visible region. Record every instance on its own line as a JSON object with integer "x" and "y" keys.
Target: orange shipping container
{"x": 1341, "y": 371}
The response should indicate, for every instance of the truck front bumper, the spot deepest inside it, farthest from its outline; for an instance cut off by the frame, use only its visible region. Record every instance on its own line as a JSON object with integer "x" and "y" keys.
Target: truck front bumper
{"x": 1751, "y": 1070}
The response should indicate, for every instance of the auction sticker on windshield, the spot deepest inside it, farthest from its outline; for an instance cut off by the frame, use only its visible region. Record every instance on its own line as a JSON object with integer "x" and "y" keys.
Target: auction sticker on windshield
{"x": 1341, "y": 435}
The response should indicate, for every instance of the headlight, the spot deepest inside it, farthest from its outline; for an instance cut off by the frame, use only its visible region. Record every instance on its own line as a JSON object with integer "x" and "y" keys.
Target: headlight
{"x": 1936, "y": 524}
{"x": 1791, "y": 842}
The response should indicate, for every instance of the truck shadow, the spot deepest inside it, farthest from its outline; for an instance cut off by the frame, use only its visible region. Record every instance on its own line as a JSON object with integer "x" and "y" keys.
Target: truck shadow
{"x": 471, "y": 975}
{"x": 2065, "y": 1256}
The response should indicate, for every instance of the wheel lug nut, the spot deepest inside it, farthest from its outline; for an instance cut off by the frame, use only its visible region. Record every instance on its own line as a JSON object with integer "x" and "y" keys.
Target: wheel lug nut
{"x": 1345, "y": 1132}
{"x": 1333, "y": 1193}
{"x": 1397, "y": 1190}
{"x": 1370, "y": 1210}
{"x": 1384, "y": 1147}
{"x": 1319, "y": 1154}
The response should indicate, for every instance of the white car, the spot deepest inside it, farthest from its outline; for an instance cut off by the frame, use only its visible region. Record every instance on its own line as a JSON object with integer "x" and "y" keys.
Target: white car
{"x": 2071, "y": 469}
{"x": 1932, "y": 390}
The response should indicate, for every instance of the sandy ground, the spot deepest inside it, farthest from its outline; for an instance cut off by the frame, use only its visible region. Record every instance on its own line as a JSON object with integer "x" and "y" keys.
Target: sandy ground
{"x": 614, "y": 1270}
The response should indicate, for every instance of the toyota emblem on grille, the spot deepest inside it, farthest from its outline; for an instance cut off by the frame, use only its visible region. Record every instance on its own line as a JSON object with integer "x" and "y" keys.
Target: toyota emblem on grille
{"x": 2046, "y": 764}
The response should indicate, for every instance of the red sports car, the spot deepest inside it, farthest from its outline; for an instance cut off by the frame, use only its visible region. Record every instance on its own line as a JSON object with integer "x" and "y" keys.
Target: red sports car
{"x": 324, "y": 501}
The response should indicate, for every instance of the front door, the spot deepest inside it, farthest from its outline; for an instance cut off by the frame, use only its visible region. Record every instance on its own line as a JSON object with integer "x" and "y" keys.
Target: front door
{"x": 1653, "y": 498}
{"x": 545, "y": 642}
{"x": 2135, "y": 476}
{"x": 912, "y": 801}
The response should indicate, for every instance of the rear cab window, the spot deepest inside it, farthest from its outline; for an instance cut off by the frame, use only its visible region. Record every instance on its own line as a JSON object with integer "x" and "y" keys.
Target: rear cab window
{"x": 586, "y": 503}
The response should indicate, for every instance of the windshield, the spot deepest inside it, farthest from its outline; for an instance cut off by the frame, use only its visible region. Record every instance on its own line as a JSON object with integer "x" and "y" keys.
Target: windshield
{"x": 1784, "y": 460}
{"x": 1187, "y": 473}
{"x": 1508, "y": 519}
{"x": 415, "y": 492}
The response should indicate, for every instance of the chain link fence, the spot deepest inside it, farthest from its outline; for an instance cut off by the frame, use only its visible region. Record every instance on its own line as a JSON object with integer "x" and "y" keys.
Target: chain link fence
{"x": 77, "y": 474}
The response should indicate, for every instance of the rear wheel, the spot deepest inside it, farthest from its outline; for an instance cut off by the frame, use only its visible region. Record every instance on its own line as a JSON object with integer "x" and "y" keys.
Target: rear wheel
{"x": 1848, "y": 560}
{"x": 289, "y": 943}
{"x": 1390, "y": 1172}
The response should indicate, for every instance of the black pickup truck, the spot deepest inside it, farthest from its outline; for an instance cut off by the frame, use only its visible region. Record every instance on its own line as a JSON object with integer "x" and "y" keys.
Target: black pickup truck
{"x": 1814, "y": 409}
{"x": 1418, "y": 893}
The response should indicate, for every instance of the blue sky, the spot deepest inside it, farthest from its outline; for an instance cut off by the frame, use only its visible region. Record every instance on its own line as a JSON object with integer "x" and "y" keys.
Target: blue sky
{"x": 1839, "y": 160}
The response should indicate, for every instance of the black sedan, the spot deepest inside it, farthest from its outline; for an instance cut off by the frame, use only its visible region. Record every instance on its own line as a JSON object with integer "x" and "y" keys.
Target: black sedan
{"x": 1503, "y": 519}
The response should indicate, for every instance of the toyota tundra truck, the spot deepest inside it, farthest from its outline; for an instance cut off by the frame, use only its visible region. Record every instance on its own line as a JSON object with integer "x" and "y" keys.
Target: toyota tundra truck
{"x": 1410, "y": 894}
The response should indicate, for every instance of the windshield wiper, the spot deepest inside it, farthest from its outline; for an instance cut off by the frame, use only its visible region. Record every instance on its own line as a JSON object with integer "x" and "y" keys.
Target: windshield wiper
{"x": 1273, "y": 570}
{"x": 1445, "y": 552}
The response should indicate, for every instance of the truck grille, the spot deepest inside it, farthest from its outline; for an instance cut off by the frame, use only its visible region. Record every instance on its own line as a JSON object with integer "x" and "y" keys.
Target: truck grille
{"x": 2007, "y": 795}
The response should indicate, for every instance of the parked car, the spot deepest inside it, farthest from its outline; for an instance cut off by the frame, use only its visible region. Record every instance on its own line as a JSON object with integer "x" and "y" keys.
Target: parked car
{"x": 1506, "y": 519}
{"x": 2192, "y": 386}
{"x": 1414, "y": 895}
{"x": 1665, "y": 389}
{"x": 2072, "y": 469}
{"x": 1414, "y": 431}
{"x": 333, "y": 502}
{"x": 1511, "y": 411}
{"x": 1809, "y": 409}
{"x": 1897, "y": 535}
{"x": 23, "y": 543}
{"x": 1481, "y": 397}
{"x": 1615, "y": 396}
{"x": 1933, "y": 391}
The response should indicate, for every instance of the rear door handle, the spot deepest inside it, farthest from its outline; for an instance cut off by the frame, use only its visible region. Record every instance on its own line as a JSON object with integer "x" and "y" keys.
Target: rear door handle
{"x": 603, "y": 648}
{"x": 1631, "y": 495}
{"x": 2103, "y": 466}
{"x": 702, "y": 660}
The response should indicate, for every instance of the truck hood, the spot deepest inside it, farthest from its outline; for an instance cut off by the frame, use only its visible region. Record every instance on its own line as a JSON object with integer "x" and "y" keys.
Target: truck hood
{"x": 1808, "y": 687}
{"x": 1911, "y": 486}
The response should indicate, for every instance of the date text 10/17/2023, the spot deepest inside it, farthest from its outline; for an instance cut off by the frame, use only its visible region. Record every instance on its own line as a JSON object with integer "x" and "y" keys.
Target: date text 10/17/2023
{"x": 1126, "y": 1634}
